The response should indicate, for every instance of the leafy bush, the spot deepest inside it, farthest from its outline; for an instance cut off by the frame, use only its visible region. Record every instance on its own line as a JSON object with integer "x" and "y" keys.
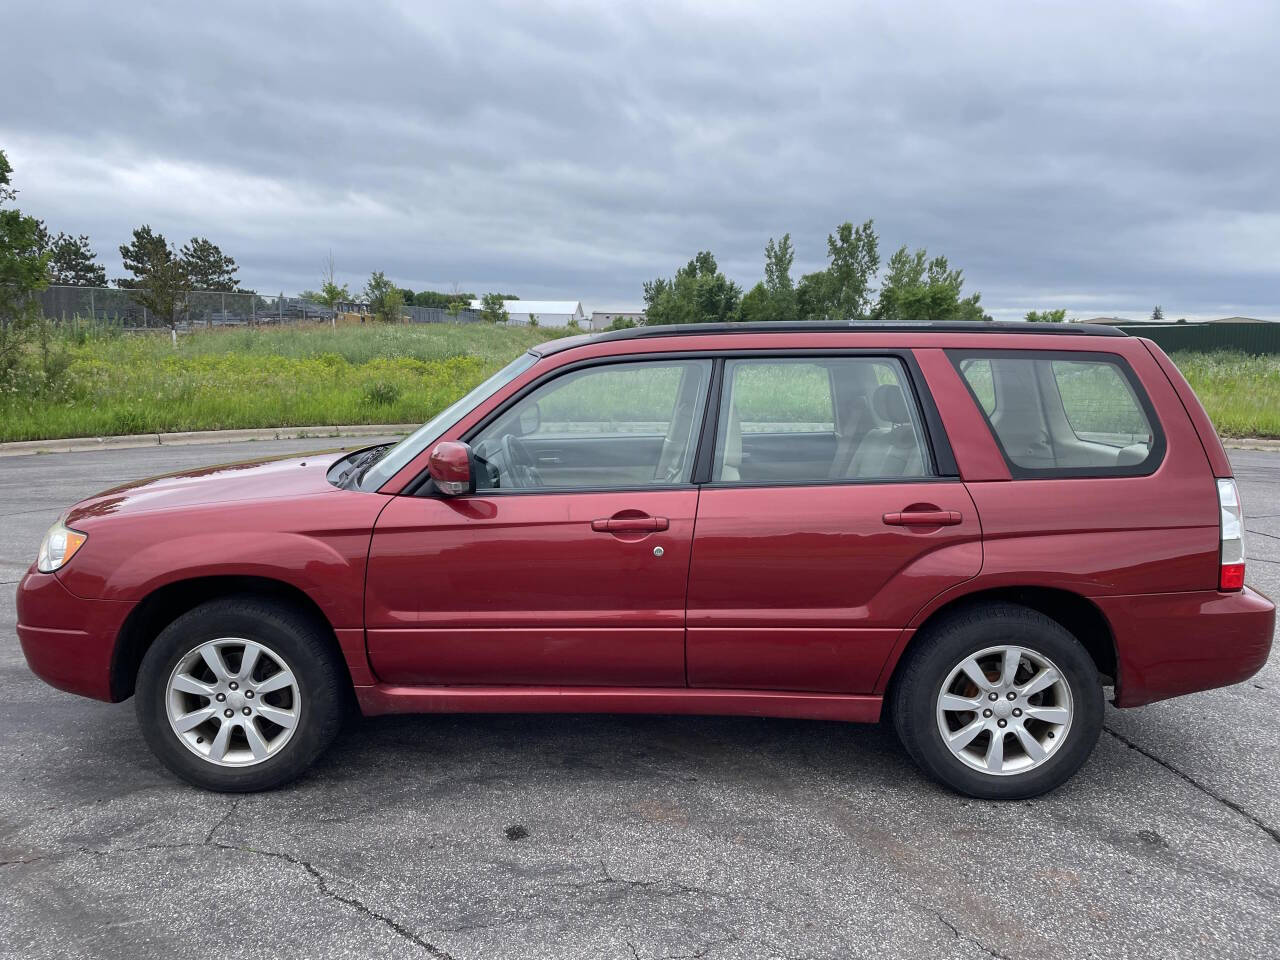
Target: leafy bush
{"x": 381, "y": 394}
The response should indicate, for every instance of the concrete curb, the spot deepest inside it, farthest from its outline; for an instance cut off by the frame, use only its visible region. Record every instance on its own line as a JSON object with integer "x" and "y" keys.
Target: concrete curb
{"x": 24, "y": 448}
{"x": 1250, "y": 443}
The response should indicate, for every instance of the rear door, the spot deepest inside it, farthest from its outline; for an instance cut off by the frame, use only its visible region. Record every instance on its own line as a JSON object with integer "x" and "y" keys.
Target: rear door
{"x": 830, "y": 515}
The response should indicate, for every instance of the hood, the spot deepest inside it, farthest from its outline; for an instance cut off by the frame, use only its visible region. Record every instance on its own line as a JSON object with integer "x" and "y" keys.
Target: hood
{"x": 225, "y": 483}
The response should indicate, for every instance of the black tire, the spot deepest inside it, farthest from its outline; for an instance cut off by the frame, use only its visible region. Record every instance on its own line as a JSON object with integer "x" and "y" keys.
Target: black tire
{"x": 913, "y": 699}
{"x": 306, "y": 648}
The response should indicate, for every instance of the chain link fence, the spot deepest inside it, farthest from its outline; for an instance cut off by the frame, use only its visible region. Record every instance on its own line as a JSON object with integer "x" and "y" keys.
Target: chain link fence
{"x": 110, "y": 306}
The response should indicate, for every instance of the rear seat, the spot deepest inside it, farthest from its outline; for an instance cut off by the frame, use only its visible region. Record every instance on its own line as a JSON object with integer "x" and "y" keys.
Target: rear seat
{"x": 890, "y": 451}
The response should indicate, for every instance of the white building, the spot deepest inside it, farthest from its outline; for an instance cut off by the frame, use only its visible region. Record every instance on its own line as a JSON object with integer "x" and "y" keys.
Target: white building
{"x": 550, "y": 313}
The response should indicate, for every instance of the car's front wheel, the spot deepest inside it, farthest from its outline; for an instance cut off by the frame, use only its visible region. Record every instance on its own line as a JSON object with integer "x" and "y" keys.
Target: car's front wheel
{"x": 240, "y": 694}
{"x": 998, "y": 701}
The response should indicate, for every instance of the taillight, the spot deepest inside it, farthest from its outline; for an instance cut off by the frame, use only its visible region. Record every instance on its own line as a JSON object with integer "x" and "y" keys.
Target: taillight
{"x": 1231, "y": 526}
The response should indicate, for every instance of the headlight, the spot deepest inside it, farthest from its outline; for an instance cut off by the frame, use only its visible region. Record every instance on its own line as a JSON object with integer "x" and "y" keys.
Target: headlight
{"x": 60, "y": 545}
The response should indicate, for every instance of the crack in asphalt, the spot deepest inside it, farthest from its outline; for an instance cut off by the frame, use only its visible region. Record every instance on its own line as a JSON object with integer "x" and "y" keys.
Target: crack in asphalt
{"x": 235, "y": 804}
{"x": 359, "y": 906}
{"x": 321, "y": 881}
{"x": 973, "y": 941}
{"x": 676, "y": 887}
{"x": 1208, "y": 791}
{"x": 698, "y": 953}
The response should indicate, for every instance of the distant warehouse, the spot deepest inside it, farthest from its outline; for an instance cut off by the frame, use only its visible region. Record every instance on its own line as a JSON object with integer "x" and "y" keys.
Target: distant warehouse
{"x": 550, "y": 313}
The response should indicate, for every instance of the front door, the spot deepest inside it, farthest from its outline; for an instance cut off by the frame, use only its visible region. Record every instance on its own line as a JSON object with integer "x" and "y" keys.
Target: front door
{"x": 569, "y": 564}
{"x": 823, "y": 529}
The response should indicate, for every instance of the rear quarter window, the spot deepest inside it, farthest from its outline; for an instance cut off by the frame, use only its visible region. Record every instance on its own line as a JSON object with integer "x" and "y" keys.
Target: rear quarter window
{"x": 1064, "y": 414}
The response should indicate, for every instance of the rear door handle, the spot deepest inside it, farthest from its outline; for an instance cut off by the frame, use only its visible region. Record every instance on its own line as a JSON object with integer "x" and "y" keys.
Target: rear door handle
{"x": 923, "y": 518}
{"x": 630, "y": 524}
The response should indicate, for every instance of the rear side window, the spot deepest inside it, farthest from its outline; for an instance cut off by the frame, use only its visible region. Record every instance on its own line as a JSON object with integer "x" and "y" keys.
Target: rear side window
{"x": 818, "y": 420}
{"x": 1064, "y": 414}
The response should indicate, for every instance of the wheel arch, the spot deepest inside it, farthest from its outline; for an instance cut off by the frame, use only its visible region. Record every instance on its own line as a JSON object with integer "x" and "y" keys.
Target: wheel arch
{"x": 165, "y": 604}
{"x": 1077, "y": 614}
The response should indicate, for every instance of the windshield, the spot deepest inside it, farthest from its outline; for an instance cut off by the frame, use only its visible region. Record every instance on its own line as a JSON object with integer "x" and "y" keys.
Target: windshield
{"x": 427, "y": 434}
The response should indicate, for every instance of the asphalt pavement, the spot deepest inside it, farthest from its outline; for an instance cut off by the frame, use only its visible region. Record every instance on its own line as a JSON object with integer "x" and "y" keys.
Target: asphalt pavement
{"x": 625, "y": 837}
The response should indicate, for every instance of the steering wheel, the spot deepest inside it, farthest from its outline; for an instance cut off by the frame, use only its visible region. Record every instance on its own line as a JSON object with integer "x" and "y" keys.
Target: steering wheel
{"x": 520, "y": 462}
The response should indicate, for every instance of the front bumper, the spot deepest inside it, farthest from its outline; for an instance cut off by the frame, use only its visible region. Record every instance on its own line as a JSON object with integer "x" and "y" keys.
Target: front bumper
{"x": 68, "y": 641}
{"x": 1174, "y": 643}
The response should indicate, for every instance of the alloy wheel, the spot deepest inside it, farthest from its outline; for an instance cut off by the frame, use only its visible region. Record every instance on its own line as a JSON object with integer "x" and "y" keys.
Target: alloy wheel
{"x": 1004, "y": 710}
{"x": 233, "y": 702}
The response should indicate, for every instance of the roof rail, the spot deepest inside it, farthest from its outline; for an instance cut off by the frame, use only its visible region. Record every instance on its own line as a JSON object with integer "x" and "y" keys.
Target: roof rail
{"x": 705, "y": 329}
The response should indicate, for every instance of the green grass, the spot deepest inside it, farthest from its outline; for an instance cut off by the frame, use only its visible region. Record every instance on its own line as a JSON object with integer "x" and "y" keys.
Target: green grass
{"x": 222, "y": 379}
{"x": 1240, "y": 392}
{"x": 302, "y": 376}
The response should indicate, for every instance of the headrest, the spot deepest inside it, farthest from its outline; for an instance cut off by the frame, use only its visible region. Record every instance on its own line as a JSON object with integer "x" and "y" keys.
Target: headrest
{"x": 889, "y": 403}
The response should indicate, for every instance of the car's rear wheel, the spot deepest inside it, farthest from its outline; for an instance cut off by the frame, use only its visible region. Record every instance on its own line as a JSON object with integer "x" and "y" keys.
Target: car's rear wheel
{"x": 998, "y": 701}
{"x": 240, "y": 694}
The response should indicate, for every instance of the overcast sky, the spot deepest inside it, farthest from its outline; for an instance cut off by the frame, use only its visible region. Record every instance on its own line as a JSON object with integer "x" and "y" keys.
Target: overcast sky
{"x": 1095, "y": 155}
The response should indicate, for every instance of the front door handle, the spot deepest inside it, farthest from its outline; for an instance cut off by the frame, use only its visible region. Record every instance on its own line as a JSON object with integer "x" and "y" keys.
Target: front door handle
{"x": 923, "y": 518}
{"x": 630, "y": 524}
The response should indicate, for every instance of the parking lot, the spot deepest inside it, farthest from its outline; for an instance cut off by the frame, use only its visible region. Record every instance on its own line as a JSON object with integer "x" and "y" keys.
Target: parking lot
{"x": 628, "y": 837}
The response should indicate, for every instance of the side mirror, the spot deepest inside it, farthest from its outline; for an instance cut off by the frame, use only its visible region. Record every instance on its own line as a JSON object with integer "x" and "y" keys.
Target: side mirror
{"x": 451, "y": 468}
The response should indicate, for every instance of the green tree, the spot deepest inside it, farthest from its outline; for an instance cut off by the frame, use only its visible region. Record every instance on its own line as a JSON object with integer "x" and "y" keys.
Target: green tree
{"x": 919, "y": 290}
{"x": 146, "y": 248}
{"x": 24, "y": 266}
{"x": 163, "y": 289}
{"x": 698, "y": 293}
{"x": 161, "y": 279}
{"x": 208, "y": 267}
{"x": 441, "y": 301}
{"x": 780, "y": 303}
{"x": 755, "y": 306}
{"x": 73, "y": 263}
{"x": 1046, "y": 316}
{"x": 406, "y": 295}
{"x": 456, "y": 306}
{"x": 1157, "y": 315}
{"x": 533, "y": 320}
{"x": 383, "y": 298}
{"x": 843, "y": 291}
{"x": 331, "y": 293}
{"x": 492, "y": 308}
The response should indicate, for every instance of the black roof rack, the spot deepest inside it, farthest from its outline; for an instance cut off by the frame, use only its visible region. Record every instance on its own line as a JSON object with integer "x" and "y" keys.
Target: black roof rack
{"x": 702, "y": 329}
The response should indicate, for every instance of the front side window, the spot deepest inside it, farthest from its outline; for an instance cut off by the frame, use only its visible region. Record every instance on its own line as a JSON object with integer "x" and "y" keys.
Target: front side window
{"x": 818, "y": 420}
{"x": 622, "y": 425}
{"x": 1063, "y": 414}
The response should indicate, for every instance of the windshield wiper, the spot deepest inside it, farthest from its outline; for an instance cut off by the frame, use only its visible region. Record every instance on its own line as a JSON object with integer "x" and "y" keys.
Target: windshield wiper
{"x": 352, "y": 476}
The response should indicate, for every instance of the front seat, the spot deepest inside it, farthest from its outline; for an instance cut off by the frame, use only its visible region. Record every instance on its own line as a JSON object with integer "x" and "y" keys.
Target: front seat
{"x": 891, "y": 451}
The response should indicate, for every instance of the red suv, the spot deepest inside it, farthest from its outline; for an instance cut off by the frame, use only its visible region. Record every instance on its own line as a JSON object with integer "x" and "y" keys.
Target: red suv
{"x": 974, "y": 529}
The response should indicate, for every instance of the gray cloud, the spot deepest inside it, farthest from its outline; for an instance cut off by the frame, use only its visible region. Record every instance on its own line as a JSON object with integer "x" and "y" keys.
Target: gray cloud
{"x": 1098, "y": 156}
